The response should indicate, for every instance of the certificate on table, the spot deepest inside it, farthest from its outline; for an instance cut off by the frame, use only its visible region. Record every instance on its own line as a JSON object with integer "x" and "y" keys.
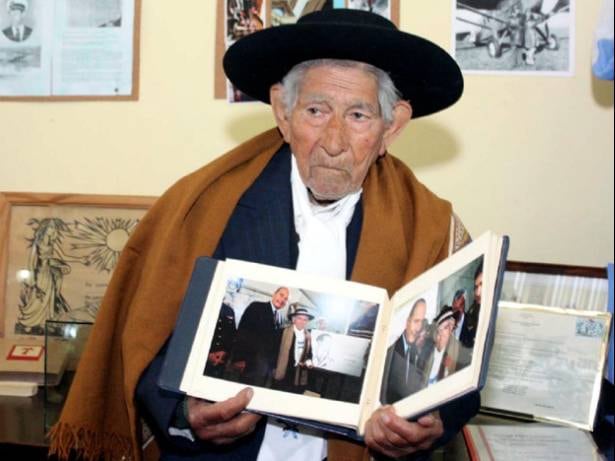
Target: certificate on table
{"x": 547, "y": 364}
{"x": 536, "y": 442}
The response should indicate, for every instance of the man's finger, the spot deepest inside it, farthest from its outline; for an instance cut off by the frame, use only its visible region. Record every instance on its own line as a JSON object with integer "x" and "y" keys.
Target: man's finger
{"x": 202, "y": 414}
{"x": 228, "y": 431}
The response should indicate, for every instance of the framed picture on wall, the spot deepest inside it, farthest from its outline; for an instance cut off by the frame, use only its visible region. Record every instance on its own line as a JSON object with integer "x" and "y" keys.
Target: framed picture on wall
{"x": 57, "y": 254}
{"x": 525, "y": 37}
{"x": 69, "y": 49}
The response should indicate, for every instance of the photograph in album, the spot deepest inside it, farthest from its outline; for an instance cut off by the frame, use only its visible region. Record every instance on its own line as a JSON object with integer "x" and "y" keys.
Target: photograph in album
{"x": 432, "y": 335}
{"x": 259, "y": 323}
{"x": 330, "y": 352}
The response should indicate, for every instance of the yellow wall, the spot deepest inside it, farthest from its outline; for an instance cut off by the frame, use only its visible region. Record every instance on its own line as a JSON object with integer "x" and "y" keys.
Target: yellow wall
{"x": 527, "y": 156}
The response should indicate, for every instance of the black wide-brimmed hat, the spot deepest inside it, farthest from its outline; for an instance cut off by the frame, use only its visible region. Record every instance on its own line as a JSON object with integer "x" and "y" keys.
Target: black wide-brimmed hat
{"x": 424, "y": 73}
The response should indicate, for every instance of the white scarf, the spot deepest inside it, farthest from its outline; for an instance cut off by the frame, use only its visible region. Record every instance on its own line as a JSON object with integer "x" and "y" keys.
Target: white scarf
{"x": 321, "y": 229}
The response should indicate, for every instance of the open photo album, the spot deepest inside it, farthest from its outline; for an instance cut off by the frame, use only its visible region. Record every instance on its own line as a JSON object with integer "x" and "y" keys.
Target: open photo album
{"x": 329, "y": 352}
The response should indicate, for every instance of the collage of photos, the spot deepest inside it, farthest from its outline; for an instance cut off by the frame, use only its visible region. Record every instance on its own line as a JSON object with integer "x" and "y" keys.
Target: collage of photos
{"x": 244, "y": 17}
{"x": 61, "y": 48}
{"x": 432, "y": 335}
{"x": 293, "y": 340}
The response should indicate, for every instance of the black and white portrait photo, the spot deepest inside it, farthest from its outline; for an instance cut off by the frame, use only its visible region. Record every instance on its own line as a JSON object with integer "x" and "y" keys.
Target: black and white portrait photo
{"x": 18, "y": 26}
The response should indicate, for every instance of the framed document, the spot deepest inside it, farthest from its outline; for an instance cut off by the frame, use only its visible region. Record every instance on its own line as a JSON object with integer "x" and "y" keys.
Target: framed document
{"x": 547, "y": 364}
{"x": 57, "y": 253}
{"x": 536, "y": 442}
{"x": 69, "y": 49}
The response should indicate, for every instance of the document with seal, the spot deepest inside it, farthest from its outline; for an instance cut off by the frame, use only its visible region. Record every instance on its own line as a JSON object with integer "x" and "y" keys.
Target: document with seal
{"x": 547, "y": 364}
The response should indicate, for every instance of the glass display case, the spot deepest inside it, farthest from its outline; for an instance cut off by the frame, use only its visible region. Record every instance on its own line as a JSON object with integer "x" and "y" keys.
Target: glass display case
{"x": 64, "y": 343}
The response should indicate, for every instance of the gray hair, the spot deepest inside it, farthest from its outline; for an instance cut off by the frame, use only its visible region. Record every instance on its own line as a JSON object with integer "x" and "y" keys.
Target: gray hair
{"x": 388, "y": 94}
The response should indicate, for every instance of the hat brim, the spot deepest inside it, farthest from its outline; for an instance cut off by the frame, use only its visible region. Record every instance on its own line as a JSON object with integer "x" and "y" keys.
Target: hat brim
{"x": 426, "y": 75}
{"x": 309, "y": 316}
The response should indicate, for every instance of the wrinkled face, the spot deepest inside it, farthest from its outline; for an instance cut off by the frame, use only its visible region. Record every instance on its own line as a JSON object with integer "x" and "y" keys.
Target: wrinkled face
{"x": 414, "y": 324}
{"x": 443, "y": 333}
{"x": 478, "y": 288}
{"x": 280, "y": 298}
{"x": 335, "y": 129}
{"x": 300, "y": 321}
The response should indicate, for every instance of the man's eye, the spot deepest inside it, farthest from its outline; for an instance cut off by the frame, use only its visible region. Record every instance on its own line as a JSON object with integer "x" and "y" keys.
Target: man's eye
{"x": 359, "y": 116}
{"x": 314, "y": 111}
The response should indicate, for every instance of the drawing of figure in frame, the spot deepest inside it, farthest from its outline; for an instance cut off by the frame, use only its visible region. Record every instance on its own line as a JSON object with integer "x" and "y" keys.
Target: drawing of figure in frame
{"x": 41, "y": 296}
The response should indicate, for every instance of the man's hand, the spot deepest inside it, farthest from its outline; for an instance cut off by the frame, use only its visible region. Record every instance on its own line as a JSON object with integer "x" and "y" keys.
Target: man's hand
{"x": 223, "y": 422}
{"x": 393, "y": 436}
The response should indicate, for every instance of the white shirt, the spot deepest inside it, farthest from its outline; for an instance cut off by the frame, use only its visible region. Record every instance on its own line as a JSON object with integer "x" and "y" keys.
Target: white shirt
{"x": 322, "y": 250}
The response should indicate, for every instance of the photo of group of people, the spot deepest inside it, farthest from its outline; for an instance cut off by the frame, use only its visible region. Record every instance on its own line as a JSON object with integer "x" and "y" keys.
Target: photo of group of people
{"x": 292, "y": 339}
{"x": 433, "y": 334}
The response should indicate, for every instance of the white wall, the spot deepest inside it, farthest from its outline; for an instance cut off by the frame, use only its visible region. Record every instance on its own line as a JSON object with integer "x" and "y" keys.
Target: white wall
{"x": 527, "y": 156}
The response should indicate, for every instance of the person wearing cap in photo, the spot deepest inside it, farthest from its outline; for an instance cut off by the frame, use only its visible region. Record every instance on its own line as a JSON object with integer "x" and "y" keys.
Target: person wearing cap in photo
{"x": 17, "y": 31}
{"x": 442, "y": 350}
{"x": 320, "y": 193}
{"x": 295, "y": 353}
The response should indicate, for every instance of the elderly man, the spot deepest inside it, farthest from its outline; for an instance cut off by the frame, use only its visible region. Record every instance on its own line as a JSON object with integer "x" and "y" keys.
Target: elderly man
{"x": 442, "y": 351}
{"x": 319, "y": 194}
{"x": 294, "y": 354}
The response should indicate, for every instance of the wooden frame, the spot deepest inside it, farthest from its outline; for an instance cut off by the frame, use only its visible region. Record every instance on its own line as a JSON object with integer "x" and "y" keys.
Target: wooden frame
{"x": 558, "y": 285}
{"x": 59, "y": 246}
{"x": 133, "y": 96}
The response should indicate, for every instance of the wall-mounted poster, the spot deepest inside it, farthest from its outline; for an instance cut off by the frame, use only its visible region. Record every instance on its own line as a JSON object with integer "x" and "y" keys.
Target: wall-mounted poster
{"x": 514, "y": 36}
{"x": 57, "y": 254}
{"x": 69, "y": 49}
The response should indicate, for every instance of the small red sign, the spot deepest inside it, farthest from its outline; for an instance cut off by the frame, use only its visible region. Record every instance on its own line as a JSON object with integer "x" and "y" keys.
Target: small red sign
{"x": 25, "y": 352}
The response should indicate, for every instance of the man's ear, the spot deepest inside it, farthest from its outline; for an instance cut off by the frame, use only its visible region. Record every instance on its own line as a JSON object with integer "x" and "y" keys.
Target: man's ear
{"x": 402, "y": 113}
{"x": 276, "y": 96}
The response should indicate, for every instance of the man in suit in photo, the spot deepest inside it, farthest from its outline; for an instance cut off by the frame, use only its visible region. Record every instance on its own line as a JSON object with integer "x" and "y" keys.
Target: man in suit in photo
{"x": 404, "y": 376}
{"x": 258, "y": 337}
{"x": 459, "y": 308}
{"x": 17, "y": 31}
{"x": 468, "y": 333}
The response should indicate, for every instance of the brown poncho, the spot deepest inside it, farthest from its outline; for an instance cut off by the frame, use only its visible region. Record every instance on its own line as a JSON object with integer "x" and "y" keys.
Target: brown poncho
{"x": 405, "y": 231}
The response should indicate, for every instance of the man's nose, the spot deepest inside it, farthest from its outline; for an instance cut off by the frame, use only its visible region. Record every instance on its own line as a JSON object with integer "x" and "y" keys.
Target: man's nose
{"x": 334, "y": 139}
